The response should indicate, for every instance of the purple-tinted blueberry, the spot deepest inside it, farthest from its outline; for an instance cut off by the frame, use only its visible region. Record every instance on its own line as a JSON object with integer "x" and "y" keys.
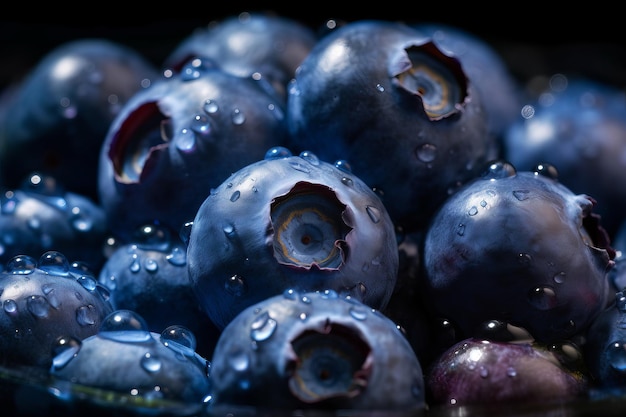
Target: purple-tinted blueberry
{"x": 485, "y": 372}
{"x": 385, "y": 98}
{"x": 520, "y": 248}
{"x": 149, "y": 276}
{"x": 295, "y": 222}
{"x": 125, "y": 366}
{"x": 45, "y": 299}
{"x": 315, "y": 350}
{"x": 57, "y": 116}
{"x": 176, "y": 140}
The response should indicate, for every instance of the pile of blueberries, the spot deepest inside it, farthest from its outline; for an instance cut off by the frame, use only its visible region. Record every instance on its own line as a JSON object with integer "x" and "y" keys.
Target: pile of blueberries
{"x": 371, "y": 218}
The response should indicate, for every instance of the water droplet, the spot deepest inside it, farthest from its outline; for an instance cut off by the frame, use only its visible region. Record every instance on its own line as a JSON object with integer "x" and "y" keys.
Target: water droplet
{"x": 299, "y": 167}
{"x": 262, "y": 327}
{"x": 290, "y": 294}
{"x": 617, "y": 357}
{"x": 235, "y": 285}
{"x": 528, "y": 111}
{"x": 151, "y": 363}
{"x": 177, "y": 257}
{"x": 86, "y": 315}
{"x": 186, "y": 140}
{"x": 380, "y": 88}
{"x": 38, "y": 306}
{"x": 472, "y": 211}
{"x": 343, "y": 165}
{"x": 543, "y": 298}
{"x": 235, "y": 196}
{"x": 277, "y": 152}
{"x": 310, "y": 157}
{"x": 64, "y": 350}
{"x": 460, "y": 229}
{"x": 373, "y": 213}
{"x": 210, "y": 106}
{"x": 426, "y": 153}
{"x": 135, "y": 266}
{"x": 150, "y": 265}
{"x": 239, "y": 360}
{"x": 10, "y": 306}
{"x": 511, "y": 372}
{"x": 80, "y": 221}
{"x": 238, "y": 117}
{"x": 88, "y": 282}
{"x": 499, "y": 170}
{"x": 54, "y": 263}
{"x": 229, "y": 230}
{"x": 521, "y": 195}
{"x": 347, "y": 181}
{"x": 559, "y": 278}
{"x": 201, "y": 125}
{"x": 358, "y": 313}
{"x": 620, "y": 301}
{"x": 524, "y": 258}
{"x": 125, "y": 326}
{"x": 180, "y": 339}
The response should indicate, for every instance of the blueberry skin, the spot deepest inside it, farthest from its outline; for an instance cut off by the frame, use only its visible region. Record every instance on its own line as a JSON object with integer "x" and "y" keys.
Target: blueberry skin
{"x": 42, "y": 215}
{"x": 371, "y": 87}
{"x": 261, "y": 44}
{"x": 315, "y": 350}
{"x": 57, "y": 116}
{"x": 605, "y": 345}
{"x": 578, "y": 125}
{"x": 124, "y": 365}
{"x": 486, "y": 372}
{"x": 295, "y": 222}
{"x": 501, "y": 93}
{"x": 149, "y": 276}
{"x": 517, "y": 248}
{"x": 179, "y": 138}
{"x": 45, "y": 299}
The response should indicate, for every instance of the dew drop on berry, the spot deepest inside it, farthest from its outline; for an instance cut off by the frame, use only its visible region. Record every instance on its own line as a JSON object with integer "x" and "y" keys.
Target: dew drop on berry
{"x": 54, "y": 263}
{"x": 151, "y": 363}
{"x": 64, "y": 350}
{"x": 263, "y": 327}
{"x": 124, "y": 326}
{"x": 38, "y": 306}
{"x": 239, "y": 360}
{"x": 9, "y": 306}
{"x": 235, "y": 285}
{"x": 358, "y": 313}
{"x": 543, "y": 298}
{"x": 177, "y": 257}
{"x": 180, "y": 339}
{"x": 617, "y": 356}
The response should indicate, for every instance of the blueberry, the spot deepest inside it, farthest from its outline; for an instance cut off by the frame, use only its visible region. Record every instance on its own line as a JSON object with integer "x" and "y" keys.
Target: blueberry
{"x": 605, "y": 346}
{"x": 262, "y": 45}
{"x": 516, "y": 247}
{"x": 176, "y": 140}
{"x": 149, "y": 276}
{"x": 315, "y": 350}
{"x": 45, "y": 299}
{"x": 56, "y": 117}
{"x": 290, "y": 221}
{"x": 486, "y": 372}
{"x": 384, "y": 97}
{"x": 501, "y": 93}
{"x": 125, "y": 366}
{"x": 42, "y": 215}
{"x": 578, "y": 125}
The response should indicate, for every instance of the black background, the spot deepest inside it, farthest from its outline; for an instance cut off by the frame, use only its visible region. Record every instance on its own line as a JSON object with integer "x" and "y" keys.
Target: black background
{"x": 533, "y": 38}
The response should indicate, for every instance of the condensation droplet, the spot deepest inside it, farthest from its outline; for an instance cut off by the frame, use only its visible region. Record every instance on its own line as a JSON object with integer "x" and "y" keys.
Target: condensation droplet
{"x": 543, "y": 298}
{"x": 86, "y": 315}
{"x": 235, "y": 196}
{"x": 426, "y": 153}
{"x": 64, "y": 350}
{"x": 178, "y": 256}
{"x": 10, "y": 306}
{"x": 180, "y": 339}
{"x": 358, "y": 313}
{"x": 521, "y": 195}
{"x": 38, "y": 306}
{"x": 239, "y": 360}
{"x": 559, "y": 278}
{"x": 617, "y": 357}
{"x": 235, "y": 285}
{"x": 472, "y": 211}
{"x": 151, "y": 363}
{"x": 460, "y": 229}
{"x": 262, "y": 327}
{"x": 210, "y": 106}
{"x": 186, "y": 140}
{"x": 238, "y": 117}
